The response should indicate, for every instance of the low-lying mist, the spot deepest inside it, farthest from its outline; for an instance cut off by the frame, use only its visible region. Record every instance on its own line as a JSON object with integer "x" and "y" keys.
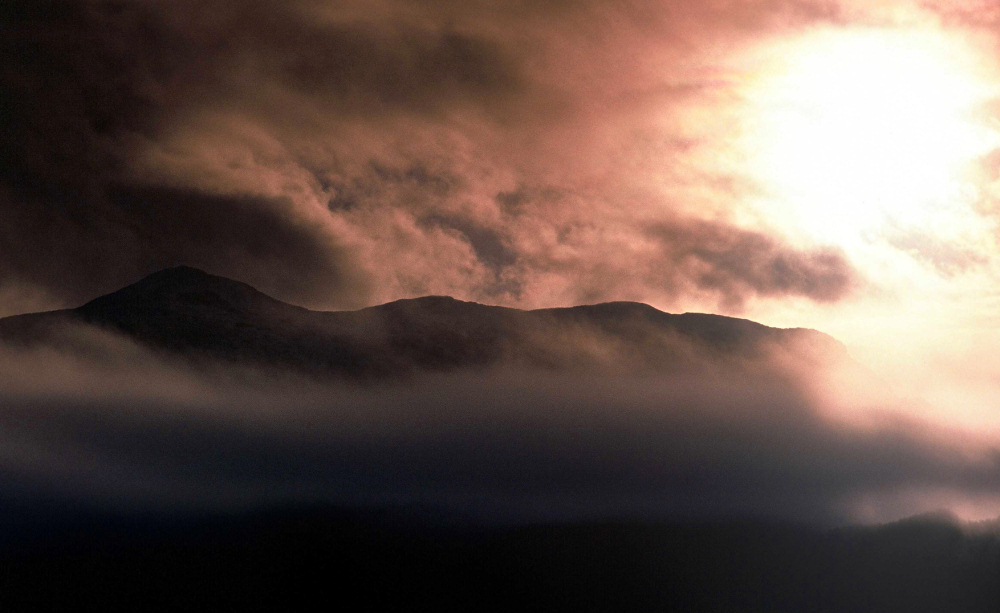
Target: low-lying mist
{"x": 111, "y": 425}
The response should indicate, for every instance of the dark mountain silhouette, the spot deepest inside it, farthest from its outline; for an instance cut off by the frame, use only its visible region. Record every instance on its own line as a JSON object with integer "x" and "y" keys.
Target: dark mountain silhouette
{"x": 187, "y": 311}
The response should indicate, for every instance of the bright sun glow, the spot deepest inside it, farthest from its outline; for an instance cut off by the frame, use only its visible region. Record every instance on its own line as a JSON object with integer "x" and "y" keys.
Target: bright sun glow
{"x": 856, "y": 130}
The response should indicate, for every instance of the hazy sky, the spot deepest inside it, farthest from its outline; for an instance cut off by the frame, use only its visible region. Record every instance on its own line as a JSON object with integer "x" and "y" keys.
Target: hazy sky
{"x": 826, "y": 164}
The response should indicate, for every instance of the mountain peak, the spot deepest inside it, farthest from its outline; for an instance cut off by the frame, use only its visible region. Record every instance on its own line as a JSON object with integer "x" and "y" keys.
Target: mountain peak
{"x": 193, "y": 312}
{"x": 179, "y": 288}
{"x": 180, "y": 272}
{"x": 178, "y": 277}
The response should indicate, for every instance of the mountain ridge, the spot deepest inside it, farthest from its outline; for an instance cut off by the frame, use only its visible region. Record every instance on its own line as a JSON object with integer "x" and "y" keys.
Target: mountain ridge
{"x": 188, "y": 311}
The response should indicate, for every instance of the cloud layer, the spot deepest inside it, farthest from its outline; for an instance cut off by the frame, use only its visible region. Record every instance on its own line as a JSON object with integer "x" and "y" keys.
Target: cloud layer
{"x": 117, "y": 427}
{"x": 344, "y": 153}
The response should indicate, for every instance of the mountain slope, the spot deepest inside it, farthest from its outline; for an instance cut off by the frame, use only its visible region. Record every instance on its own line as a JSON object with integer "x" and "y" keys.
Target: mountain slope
{"x": 186, "y": 311}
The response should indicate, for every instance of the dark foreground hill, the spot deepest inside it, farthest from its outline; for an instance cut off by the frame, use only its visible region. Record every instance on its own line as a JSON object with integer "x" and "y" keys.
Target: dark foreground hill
{"x": 334, "y": 559}
{"x": 195, "y": 314}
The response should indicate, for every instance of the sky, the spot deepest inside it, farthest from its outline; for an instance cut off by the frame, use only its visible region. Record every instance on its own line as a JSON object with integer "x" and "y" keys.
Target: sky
{"x": 823, "y": 164}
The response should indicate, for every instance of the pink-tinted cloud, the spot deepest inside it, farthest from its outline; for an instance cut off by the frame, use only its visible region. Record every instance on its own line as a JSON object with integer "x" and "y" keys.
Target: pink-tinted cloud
{"x": 340, "y": 153}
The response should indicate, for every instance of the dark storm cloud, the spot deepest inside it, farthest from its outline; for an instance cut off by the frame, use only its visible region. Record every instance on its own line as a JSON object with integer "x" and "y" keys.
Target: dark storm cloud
{"x": 138, "y": 230}
{"x": 413, "y": 69}
{"x": 487, "y": 243}
{"x": 739, "y": 264}
{"x": 359, "y": 147}
{"x": 84, "y": 82}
